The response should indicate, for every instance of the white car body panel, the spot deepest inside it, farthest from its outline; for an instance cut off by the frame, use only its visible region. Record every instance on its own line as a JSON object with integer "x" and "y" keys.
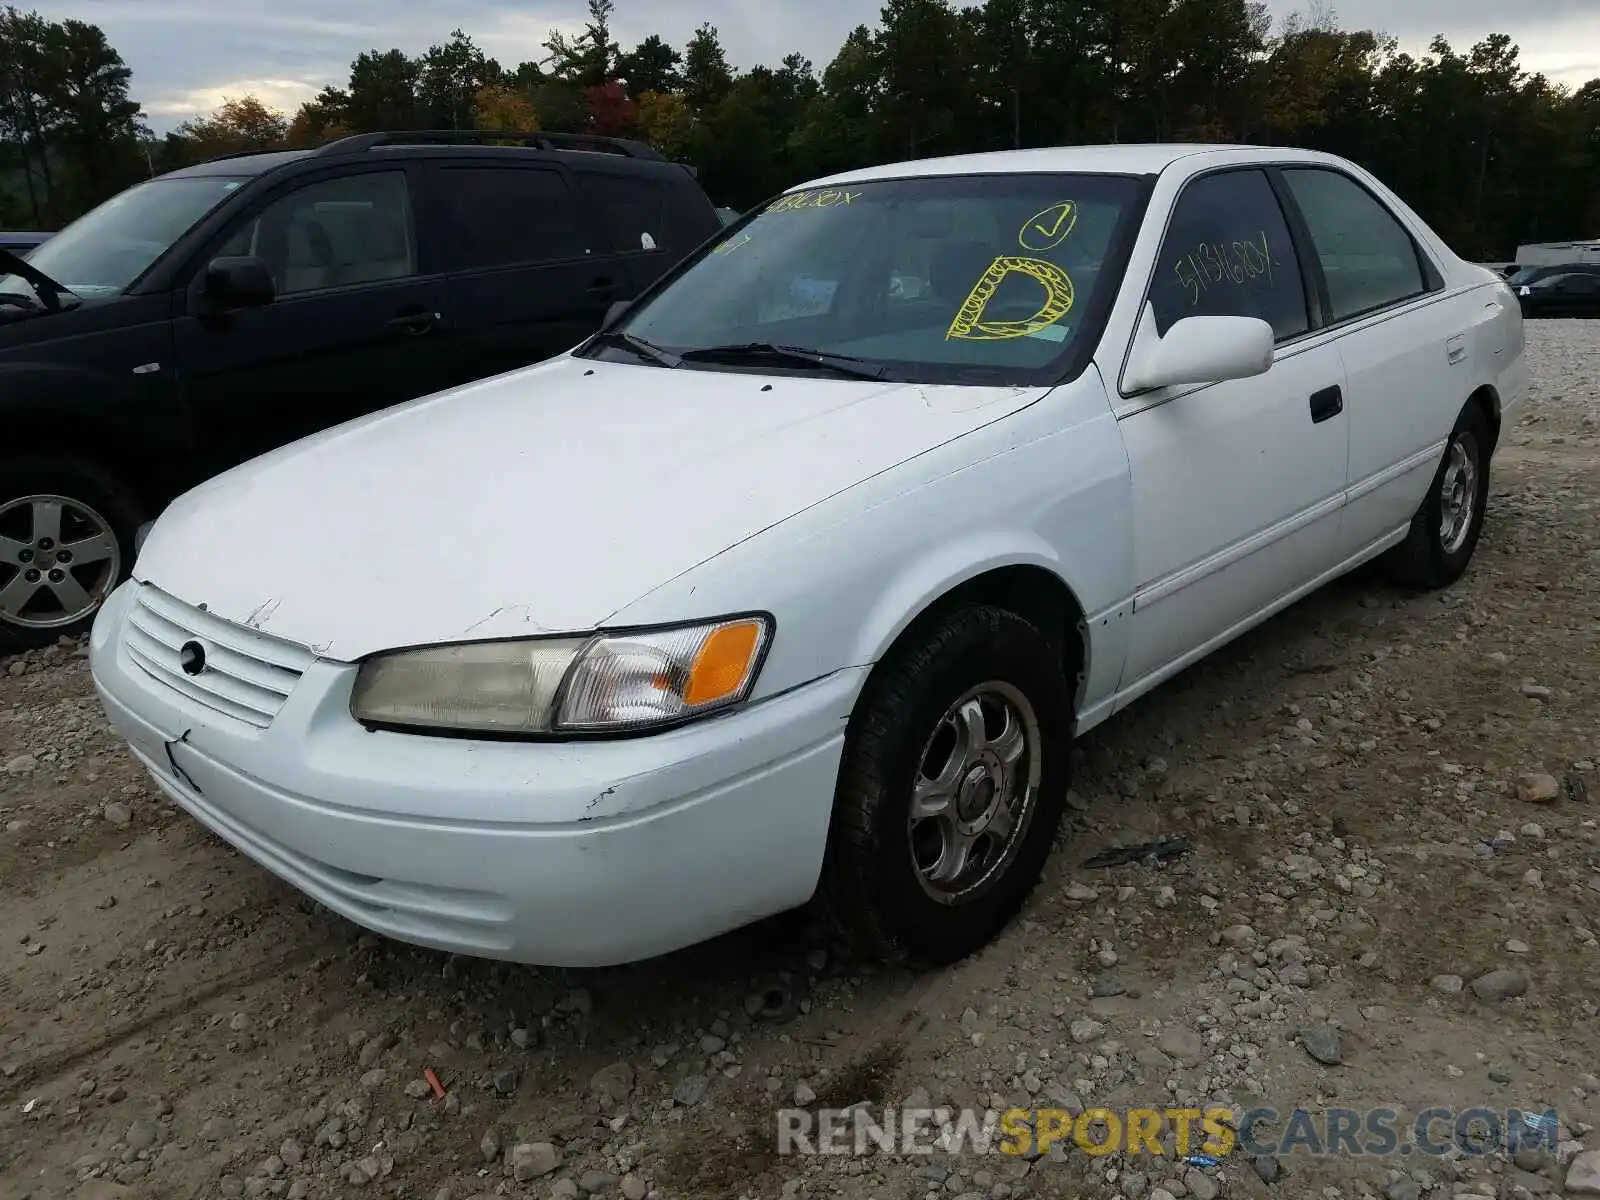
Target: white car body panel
{"x": 583, "y": 494}
{"x": 491, "y": 488}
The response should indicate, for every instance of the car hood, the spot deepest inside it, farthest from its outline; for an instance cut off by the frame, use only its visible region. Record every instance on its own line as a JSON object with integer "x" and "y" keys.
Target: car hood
{"x": 540, "y": 501}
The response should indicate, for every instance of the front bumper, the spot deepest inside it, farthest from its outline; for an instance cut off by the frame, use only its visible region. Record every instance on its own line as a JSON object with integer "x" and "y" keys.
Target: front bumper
{"x": 562, "y": 854}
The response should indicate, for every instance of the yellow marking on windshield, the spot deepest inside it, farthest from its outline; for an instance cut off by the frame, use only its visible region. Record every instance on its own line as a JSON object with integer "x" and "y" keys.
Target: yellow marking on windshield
{"x": 969, "y": 323}
{"x": 826, "y": 198}
{"x": 1048, "y": 228}
{"x": 732, "y": 244}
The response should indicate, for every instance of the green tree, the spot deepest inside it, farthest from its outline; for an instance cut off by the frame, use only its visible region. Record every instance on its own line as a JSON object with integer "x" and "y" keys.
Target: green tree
{"x": 451, "y": 76}
{"x": 383, "y": 92}
{"x": 707, "y": 77}
{"x": 651, "y": 66}
{"x": 70, "y": 135}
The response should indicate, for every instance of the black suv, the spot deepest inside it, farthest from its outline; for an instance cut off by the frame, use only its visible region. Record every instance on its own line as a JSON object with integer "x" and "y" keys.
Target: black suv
{"x": 217, "y": 312}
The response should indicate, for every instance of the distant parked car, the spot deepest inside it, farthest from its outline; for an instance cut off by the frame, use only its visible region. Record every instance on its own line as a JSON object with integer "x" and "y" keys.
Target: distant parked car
{"x": 1573, "y": 293}
{"x": 21, "y": 243}
{"x": 799, "y": 579}
{"x": 1528, "y": 275}
{"x": 215, "y": 313}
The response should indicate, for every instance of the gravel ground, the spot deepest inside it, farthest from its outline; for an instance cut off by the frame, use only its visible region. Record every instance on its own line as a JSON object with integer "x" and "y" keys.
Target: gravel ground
{"x": 1391, "y": 900}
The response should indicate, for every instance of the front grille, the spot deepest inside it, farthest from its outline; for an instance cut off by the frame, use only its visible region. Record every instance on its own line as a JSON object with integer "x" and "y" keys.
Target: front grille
{"x": 248, "y": 674}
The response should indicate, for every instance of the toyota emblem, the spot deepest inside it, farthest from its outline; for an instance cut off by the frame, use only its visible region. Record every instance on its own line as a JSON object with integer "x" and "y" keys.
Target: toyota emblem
{"x": 192, "y": 658}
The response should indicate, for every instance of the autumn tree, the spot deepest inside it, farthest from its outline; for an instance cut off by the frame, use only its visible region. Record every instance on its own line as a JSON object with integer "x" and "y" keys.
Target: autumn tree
{"x": 499, "y": 106}
{"x": 238, "y": 125}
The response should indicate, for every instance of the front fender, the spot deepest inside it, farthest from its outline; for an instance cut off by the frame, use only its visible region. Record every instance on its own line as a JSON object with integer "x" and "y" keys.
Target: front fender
{"x": 1045, "y": 487}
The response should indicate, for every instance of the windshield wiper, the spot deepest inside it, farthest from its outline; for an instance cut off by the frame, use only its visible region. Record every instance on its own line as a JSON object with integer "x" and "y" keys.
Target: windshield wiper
{"x": 49, "y": 290}
{"x": 839, "y": 364}
{"x": 644, "y": 349}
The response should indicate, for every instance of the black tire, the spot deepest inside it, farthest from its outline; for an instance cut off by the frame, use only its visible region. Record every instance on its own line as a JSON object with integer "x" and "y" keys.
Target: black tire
{"x": 94, "y": 492}
{"x": 871, "y": 886}
{"x": 1426, "y": 559}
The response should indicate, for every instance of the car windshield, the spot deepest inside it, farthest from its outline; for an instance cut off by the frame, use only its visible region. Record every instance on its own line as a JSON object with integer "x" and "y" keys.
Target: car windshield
{"x": 106, "y": 249}
{"x": 987, "y": 279}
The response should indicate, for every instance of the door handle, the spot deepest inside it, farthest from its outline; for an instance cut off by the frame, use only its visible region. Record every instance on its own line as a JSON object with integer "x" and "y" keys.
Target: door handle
{"x": 415, "y": 323}
{"x": 1327, "y": 403}
{"x": 602, "y": 288}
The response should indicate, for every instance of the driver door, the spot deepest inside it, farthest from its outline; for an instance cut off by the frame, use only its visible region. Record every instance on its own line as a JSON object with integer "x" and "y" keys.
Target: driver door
{"x": 1237, "y": 486}
{"x": 355, "y": 325}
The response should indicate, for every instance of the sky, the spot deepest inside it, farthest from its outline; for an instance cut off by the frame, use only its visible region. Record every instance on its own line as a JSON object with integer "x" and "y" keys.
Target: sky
{"x": 189, "y": 55}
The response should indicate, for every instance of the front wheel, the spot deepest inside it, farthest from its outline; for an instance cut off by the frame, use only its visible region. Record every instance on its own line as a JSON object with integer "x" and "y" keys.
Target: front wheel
{"x": 1445, "y": 530}
{"x": 952, "y": 788}
{"x": 66, "y": 539}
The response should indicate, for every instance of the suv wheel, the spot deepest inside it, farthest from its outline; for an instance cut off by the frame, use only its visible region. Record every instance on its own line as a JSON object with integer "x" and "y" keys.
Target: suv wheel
{"x": 66, "y": 539}
{"x": 952, "y": 788}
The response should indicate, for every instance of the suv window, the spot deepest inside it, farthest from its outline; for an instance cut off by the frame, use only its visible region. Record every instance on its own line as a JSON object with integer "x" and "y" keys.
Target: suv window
{"x": 340, "y": 232}
{"x": 510, "y": 216}
{"x": 633, "y": 209}
{"x": 1368, "y": 257}
{"x": 1228, "y": 253}
{"x": 1574, "y": 281}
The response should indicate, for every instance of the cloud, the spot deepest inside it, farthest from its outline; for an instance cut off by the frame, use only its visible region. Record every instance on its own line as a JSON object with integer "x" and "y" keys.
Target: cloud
{"x": 187, "y": 55}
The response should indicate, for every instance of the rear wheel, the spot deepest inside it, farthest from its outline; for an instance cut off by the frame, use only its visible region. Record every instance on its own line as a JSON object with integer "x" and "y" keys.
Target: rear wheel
{"x": 952, "y": 788}
{"x": 66, "y": 539}
{"x": 1445, "y": 531}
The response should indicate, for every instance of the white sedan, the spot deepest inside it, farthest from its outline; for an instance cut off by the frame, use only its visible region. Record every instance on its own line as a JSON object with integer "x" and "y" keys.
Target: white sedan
{"x": 800, "y": 578}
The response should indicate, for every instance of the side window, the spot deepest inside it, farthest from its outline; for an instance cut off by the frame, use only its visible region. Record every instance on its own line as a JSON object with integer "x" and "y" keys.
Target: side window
{"x": 510, "y": 216}
{"x": 1368, "y": 257}
{"x": 1228, "y": 253}
{"x": 340, "y": 232}
{"x": 633, "y": 209}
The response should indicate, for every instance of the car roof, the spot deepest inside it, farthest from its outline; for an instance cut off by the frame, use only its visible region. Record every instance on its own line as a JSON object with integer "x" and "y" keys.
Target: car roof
{"x": 238, "y": 164}
{"x": 259, "y": 163}
{"x": 1132, "y": 159}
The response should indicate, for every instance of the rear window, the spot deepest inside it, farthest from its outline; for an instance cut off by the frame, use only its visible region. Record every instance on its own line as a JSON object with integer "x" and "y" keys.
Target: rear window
{"x": 633, "y": 211}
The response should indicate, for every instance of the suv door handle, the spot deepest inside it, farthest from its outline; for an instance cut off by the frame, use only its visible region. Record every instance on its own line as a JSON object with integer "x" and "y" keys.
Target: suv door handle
{"x": 1327, "y": 403}
{"x": 414, "y": 323}
{"x": 602, "y": 288}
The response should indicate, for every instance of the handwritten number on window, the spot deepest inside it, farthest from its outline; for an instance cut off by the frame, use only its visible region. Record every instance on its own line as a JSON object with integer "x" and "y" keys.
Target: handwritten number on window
{"x": 1216, "y": 264}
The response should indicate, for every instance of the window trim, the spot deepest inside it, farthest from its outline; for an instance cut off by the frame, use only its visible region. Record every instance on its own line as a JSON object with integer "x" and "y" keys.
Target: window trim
{"x": 1312, "y": 299}
{"x": 449, "y": 247}
{"x": 1433, "y": 280}
{"x": 194, "y": 270}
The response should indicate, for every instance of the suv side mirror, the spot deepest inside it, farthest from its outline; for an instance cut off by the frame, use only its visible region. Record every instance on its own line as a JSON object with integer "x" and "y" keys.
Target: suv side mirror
{"x": 239, "y": 282}
{"x": 1198, "y": 350}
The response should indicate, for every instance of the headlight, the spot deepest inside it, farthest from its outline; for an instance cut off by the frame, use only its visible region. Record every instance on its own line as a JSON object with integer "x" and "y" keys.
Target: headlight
{"x": 604, "y": 683}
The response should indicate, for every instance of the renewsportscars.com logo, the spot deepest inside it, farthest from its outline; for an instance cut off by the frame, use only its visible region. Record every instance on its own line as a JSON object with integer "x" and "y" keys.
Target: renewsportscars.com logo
{"x": 1211, "y": 1133}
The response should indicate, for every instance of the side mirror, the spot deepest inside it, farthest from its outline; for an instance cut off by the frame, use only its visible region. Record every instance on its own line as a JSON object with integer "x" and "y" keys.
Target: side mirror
{"x": 242, "y": 282}
{"x": 1198, "y": 350}
{"x": 618, "y": 307}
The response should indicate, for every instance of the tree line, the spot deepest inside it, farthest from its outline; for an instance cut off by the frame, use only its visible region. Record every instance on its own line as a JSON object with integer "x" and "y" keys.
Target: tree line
{"x": 1488, "y": 152}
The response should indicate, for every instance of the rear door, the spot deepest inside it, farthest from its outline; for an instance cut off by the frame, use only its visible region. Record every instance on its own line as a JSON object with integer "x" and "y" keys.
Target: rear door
{"x": 352, "y": 328}
{"x": 633, "y": 213}
{"x": 530, "y": 271}
{"x": 651, "y": 221}
{"x": 1403, "y": 337}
